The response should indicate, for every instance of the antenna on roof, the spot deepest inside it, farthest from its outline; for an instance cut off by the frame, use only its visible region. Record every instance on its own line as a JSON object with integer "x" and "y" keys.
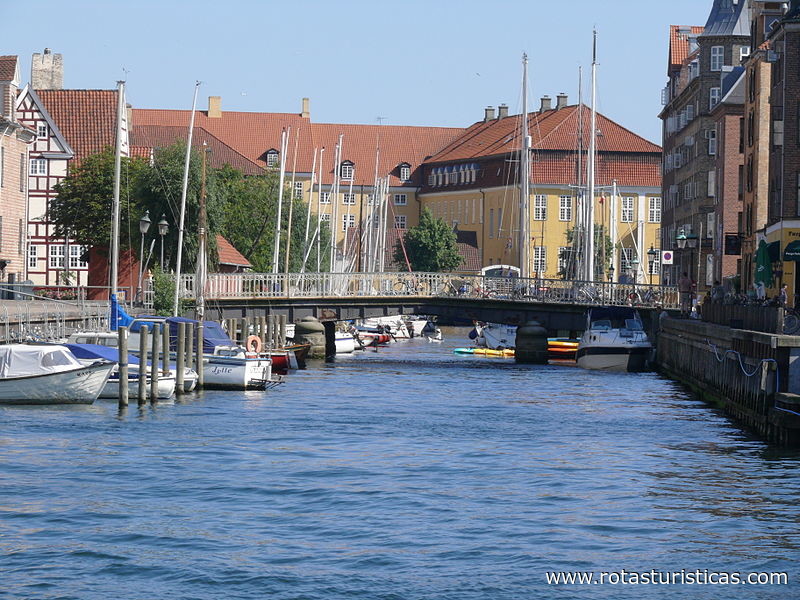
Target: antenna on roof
{"x": 380, "y": 120}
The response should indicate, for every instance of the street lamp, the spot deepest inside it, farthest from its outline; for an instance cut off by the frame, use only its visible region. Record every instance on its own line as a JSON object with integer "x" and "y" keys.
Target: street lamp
{"x": 611, "y": 274}
{"x": 163, "y": 228}
{"x": 144, "y": 225}
{"x": 651, "y": 260}
{"x": 635, "y": 269}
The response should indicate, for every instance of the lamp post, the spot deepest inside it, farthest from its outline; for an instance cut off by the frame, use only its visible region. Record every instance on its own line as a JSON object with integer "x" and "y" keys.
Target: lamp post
{"x": 651, "y": 260}
{"x": 163, "y": 229}
{"x": 611, "y": 274}
{"x": 635, "y": 269}
{"x": 144, "y": 225}
{"x": 691, "y": 242}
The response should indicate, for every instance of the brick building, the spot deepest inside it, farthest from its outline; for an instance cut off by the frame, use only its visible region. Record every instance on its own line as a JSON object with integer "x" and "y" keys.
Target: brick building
{"x": 783, "y": 216}
{"x": 697, "y": 57}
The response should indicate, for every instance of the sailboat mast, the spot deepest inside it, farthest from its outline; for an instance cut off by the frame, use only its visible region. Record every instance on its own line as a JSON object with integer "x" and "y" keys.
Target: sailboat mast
{"x": 590, "y": 269}
{"x": 319, "y": 212}
{"x": 337, "y": 166}
{"x": 525, "y": 180}
{"x": 276, "y": 248}
{"x": 291, "y": 206}
{"x": 183, "y": 204}
{"x": 202, "y": 261}
{"x": 115, "y": 205}
{"x": 580, "y": 220}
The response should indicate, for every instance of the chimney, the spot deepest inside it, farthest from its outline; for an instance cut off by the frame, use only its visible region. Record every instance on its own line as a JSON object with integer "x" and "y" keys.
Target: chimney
{"x": 547, "y": 104}
{"x": 129, "y": 115}
{"x": 47, "y": 71}
{"x": 502, "y": 111}
{"x": 488, "y": 114}
{"x": 306, "y": 114}
{"x": 215, "y": 107}
{"x": 8, "y": 87}
{"x": 561, "y": 101}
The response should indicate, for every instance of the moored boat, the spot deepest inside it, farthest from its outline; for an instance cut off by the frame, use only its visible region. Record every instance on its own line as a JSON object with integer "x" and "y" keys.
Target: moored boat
{"x": 614, "y": 340}
{"x": 49, "y": 374}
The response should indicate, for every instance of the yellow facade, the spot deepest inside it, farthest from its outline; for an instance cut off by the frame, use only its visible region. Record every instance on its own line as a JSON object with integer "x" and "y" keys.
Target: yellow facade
{"x": 493, "y": 215}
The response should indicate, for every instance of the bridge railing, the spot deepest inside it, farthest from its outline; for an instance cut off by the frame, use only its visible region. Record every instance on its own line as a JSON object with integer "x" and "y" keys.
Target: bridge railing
{"x": 227, "y": 286}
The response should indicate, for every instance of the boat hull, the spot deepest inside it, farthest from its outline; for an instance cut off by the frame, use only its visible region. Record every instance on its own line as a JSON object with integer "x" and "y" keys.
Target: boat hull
{"x": 613, "y": 358}
{"x": 76, "y": 386}
{"x": 236, "y": 373}
{"x": 166, "y": 387}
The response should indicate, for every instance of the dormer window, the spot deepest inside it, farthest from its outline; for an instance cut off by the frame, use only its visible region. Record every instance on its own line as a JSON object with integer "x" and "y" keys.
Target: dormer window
{"x": 272, "y": 157}
{"x": 405, "y": 172}
{"x": 347, "y": 170}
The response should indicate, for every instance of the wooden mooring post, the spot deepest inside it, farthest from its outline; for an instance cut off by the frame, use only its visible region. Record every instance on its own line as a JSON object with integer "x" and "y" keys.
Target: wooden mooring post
{"x": 154, "y": 364}
{"x": 122, "y": 334}
{"x": 144, "y": 334}
{"x": 199, "y": 355}
{"x": 180, "y": 358}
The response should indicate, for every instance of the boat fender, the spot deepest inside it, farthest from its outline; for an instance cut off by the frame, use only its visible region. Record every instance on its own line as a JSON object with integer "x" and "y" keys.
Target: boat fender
{"x": 253, "y": 343}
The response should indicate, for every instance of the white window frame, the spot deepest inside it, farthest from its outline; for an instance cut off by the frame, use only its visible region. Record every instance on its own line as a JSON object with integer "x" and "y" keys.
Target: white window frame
{"x": 400, "y": 222}
{"x": 272, "y": 158}
{"x": 325, "y": 198}
{"x": 712, "y": 142}
{"x": 626, "y": 256}
{"x": 41, "y": 131}
{"x": 33, "y": 257}
{"x": 56, "y": 257}
{"x": 325, "y": 217}
{"x": 562, "y": 260}
{"x": 75, "y": 253}
{"x": 540, "y": 260}
{"x": 654, "y": 210}
{"x": 400, "y": 199}
{"x": 347, "y": 170}
{"x": 713, "y": 97}
{"x": 405, "y": 173}
{"x": 298, "y": 190}
{"x": 348, "y": 221}
{"x": 717, "y": 58}
{"x": 565, "y": 208}
{"x": 38, "y": 166}
{"x": 540, "y": 207}
{"x": 348, "y": 198}
{"x": 627, "y": 204}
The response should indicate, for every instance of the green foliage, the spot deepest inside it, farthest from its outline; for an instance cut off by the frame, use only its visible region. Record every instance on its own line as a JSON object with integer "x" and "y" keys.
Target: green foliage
{"x": 431, "y": 246}
{"x": 242, "y": 209}
{"x": 82, "y": 208}
{"x": 163, "y": 292}
{"x": 601, "y": 241}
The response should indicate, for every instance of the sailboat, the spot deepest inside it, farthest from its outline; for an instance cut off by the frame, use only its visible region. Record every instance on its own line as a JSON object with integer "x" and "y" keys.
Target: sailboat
{"x": 614, "y": 338}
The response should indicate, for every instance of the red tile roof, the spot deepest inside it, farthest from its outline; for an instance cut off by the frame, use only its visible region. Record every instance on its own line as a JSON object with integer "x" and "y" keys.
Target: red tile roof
{"x": 86, "y": 118}
{"x": 679, "y": 44}
{"x": 8, "y": 68}
{"x": 228, "y": 255}
{"x": 253, "y": 134}
{"x": 628, "y": 170}
{"x": 550, "y": 130}
{"x": 146, "y": 137}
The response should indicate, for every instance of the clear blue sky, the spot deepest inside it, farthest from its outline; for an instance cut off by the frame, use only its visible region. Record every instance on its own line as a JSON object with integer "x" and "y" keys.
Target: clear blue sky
{"x": 418, "y": 62}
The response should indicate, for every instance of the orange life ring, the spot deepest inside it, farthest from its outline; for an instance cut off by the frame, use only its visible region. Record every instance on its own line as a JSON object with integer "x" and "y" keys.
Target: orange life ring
{"x": 253, "y": 343}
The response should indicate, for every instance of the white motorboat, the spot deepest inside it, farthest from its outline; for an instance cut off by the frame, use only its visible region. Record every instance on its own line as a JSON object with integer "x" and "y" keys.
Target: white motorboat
{"x": 495, "y": 336}
{"x": 110, "y": 339}
{"x": 345, "y": 343}
{"x": 614, "y": 340}
{"x": 233, "y": 368}
{"x": 88, "y": 353}
{"x": 49, "y": 374}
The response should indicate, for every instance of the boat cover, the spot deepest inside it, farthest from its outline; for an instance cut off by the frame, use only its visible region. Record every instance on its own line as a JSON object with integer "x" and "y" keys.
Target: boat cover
{"x": 20, "y": 360}
{"x": 213, "y": 334}
{"x": 91, "y": 351}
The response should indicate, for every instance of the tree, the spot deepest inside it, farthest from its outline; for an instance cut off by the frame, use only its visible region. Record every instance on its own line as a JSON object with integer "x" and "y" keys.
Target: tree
{"x": 82, "y": 208}
{"x": 431, "y": 246}
{"x": 603, "y": 254}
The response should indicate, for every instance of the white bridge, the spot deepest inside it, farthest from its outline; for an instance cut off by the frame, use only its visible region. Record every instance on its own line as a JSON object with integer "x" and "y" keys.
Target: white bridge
{"x": 228, "y": 287}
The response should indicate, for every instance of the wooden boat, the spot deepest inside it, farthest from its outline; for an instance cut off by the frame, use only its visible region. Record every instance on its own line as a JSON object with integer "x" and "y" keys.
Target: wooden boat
{"x": 49, "y": 374}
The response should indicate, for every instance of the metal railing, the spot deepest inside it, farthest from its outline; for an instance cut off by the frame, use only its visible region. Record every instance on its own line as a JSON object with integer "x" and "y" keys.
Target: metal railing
{"x": 767, "y": 319}
{"x": 231, "y": 286}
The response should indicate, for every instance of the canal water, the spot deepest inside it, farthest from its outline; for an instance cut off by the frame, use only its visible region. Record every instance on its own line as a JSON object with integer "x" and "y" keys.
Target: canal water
{"x": 408, "y": 473}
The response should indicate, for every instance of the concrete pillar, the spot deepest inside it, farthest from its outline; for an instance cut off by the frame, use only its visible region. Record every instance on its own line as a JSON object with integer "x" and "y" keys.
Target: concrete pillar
{"x": 531, "y": 345}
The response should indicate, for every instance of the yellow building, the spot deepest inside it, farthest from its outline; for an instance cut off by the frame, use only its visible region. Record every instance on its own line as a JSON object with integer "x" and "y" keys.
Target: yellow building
{"x": 473, "y": 184}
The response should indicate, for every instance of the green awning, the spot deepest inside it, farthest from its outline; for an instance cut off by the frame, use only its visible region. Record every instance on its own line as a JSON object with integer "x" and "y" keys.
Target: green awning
{"x": 792, "y": 251}
{"x": 774, "y": 250}
{"x": 763, "y": 264}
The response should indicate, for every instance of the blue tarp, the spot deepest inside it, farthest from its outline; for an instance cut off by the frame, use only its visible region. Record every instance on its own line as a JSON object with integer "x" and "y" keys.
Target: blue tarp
{"x": 119, "y": 318}
{"x": 92, "y": 351}
{"x": 213, "y": 334}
